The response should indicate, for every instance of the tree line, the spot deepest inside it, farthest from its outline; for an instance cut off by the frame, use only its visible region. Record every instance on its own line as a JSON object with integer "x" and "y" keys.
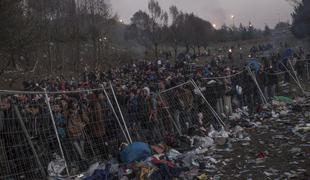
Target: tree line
{"x": 60, "y": 36}
{"x": 301, "y": 19}
{"x": 151, "y": 29}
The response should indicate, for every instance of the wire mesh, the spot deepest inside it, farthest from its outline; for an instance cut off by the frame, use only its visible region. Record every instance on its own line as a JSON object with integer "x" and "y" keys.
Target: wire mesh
{"x": 88, "y": 129}
{"x": 17, "y": 158}
{"x": 143, "y": 113}
{"x": 292, "y": 81}
{"x": 85, "y": 124}
{"x": 234, "y": 90}
{"x": 186, "y": 108}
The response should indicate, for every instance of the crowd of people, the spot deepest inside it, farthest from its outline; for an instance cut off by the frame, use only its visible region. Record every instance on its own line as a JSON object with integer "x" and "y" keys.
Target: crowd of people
{"x": 86, "y": 120}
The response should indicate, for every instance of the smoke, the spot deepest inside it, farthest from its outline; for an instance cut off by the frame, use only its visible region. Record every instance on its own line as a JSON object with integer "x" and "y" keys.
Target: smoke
{"x": 214, "y": 11}
{"x": 210, "y": 10}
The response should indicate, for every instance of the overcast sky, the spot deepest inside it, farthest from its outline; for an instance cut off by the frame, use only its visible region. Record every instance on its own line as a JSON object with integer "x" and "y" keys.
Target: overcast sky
{"x": 259, "y": 12}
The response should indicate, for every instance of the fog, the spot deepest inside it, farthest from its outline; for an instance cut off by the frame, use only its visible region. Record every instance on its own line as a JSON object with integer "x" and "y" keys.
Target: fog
{"x": 259, "y": 12}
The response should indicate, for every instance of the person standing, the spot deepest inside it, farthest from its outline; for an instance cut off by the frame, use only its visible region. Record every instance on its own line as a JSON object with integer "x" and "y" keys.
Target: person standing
{"x": 77, "y": 121}
{"x": 272, "y": 82}
{"x": 97, "y": 124}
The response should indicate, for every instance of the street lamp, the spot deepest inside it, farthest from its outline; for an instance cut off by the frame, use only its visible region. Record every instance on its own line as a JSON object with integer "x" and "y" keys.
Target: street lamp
{"x": 214, "y": 26}
{"x": 233, "y": 18}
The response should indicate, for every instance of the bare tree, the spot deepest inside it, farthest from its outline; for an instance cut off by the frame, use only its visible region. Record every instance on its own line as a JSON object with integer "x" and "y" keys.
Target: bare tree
{"x": 159, "y": 20}
{"x": 174, "y": 33}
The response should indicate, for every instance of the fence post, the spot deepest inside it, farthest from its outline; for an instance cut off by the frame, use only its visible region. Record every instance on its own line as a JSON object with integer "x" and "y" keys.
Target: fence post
{"x": 29, "y": 141}
{"x": 55, "y": 129}
{"x": 120, "y": 111}
{"x": 114, "y": 112}
{"x": 218, "y": 118}
{"x": 295, "y": 74}
{"x": 296, "y": 80}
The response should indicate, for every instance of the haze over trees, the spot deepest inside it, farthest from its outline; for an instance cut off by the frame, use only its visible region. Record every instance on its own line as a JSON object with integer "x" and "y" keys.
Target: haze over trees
{"x": 151, "y": 29}
{"x": 301, "y": 19}
{"x": 61, "y": 36}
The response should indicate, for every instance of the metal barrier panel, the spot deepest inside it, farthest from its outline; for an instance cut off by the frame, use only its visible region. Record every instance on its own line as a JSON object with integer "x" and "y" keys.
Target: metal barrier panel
{"x": 87, "y": 126}
{"x": 143, "y": 114}
{"x": 236, "y": 90}
{"x": 187, "y": 107}
{"x": 27, "y": 142}
{"x": 300, "y": 69}
{"x": 86, "y": 131}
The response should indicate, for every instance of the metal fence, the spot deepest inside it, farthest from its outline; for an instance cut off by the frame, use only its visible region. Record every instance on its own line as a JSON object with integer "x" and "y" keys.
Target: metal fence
{"x": 82, "y": 127}
{"x": 36, "y": 128}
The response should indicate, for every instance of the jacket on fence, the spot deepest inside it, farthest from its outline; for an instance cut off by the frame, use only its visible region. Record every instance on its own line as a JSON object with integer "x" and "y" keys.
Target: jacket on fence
{"x": 76, "y": 123}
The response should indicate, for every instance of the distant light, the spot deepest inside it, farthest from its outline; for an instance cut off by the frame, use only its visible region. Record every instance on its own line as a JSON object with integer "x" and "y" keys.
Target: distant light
{"x": 80, "y": 175}
{"x": 121, "y": 21}
{"x": 105, "y": 38}
{"x": 214, "y": 25}
{"x": 230, "y": 50}
{"x": 100, "y": 39}
{"x": 232, "y": 16}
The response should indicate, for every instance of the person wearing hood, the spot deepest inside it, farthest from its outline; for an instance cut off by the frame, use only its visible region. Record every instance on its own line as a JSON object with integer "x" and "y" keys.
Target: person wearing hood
{"x": 143, "y": 102}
